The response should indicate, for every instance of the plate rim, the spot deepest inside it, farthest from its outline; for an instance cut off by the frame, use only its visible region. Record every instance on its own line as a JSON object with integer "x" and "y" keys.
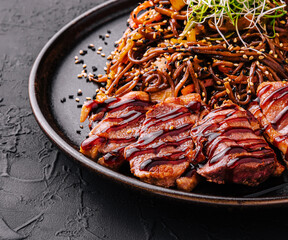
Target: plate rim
{"x": 115, "y": 176}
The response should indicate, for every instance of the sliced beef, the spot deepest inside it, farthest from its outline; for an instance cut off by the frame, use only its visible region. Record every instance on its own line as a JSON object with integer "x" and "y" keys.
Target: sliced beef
{"x": 271, "y": 110}
{"x": 163, "y": 152}
{"x": 115, "y": 123}
{"x": 230, "y": 147}
{"x": 189, "y": 179}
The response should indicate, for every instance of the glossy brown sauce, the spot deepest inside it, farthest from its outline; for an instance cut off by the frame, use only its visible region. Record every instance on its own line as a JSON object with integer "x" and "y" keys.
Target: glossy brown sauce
{"x": 166, "y": 117}
{"x": 114, "y": 157}
{"x": 212, "y": 137}
{"x": 141, "y": 146}
{"x": 157, "y": 161}
{"x": 136, "y": 114}
{"x": 153, "y": 143}
{"x": 273, "y": 98}
{"x": 131, "y": 153}
{"x": 280, "y": 117}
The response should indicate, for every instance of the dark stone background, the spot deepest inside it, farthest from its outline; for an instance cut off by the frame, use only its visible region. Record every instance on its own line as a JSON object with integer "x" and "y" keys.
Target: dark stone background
{"x": 45, "y": 195}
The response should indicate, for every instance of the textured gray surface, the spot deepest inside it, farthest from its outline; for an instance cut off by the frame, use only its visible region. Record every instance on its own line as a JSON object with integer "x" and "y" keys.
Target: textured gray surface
{"x": 45, "y": 195}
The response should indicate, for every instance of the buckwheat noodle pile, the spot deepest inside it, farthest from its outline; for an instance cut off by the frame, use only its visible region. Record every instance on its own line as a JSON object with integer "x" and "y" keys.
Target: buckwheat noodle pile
{"x": 181, "y": 47}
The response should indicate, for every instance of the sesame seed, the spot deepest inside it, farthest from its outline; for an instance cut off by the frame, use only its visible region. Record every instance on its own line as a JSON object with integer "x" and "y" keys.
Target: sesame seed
{"x": 71, "y": 96}
{"x": 77, "y": 99}
{"x": 88, "y": 98}
{"x": 100, "y": 49}
{"x": 76, "y": 57}
{"x": 98, "y": 52}
{"x": 266, "y": 72}
{"x": 78, "y": 61}
{"x": 251, "y": 58}
{"x": 281, "y": 44}
{"x": 171, "y": 127}
{"x": 79, "y": 75}
{"x": 84, "y": 65}
{"x": 107, "y": 35}
{"x": 245, "y": 56}
{"x": 81, "y": 126}
{"x": 103, "y": 54}
{"x": 282, "y": 22}
{"x": 271, "y": 52}
{"x": 129, "y": 131}
{"x": 82, "y": 52}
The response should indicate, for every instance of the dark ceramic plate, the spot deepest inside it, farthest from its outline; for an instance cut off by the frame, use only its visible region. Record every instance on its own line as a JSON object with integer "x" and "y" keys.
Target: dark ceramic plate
{"x": 54, "y": 78}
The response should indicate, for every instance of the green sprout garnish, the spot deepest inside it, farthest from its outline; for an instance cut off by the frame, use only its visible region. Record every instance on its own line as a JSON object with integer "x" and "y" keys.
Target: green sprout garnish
{"x": 254, "y": 11}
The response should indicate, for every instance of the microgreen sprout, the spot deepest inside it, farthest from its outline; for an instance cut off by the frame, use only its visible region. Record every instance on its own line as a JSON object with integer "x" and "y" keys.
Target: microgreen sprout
{"x": 254, "y": 11}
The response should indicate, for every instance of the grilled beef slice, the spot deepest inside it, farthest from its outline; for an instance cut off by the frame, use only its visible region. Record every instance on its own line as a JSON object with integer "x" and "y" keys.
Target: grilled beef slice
{"x": 163, "y": 152}
{"x": 115, "y": 123}
{"x": 230, "y": 147}
{"x": 271, "y": 110}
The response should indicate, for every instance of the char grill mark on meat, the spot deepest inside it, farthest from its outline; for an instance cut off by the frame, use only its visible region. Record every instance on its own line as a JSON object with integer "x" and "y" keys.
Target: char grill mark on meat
{"x": 115, "y": 123}
{"x": 163, "y": 151}
{"x": 228, "y": 142}
{"x": 271, "y": 110}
